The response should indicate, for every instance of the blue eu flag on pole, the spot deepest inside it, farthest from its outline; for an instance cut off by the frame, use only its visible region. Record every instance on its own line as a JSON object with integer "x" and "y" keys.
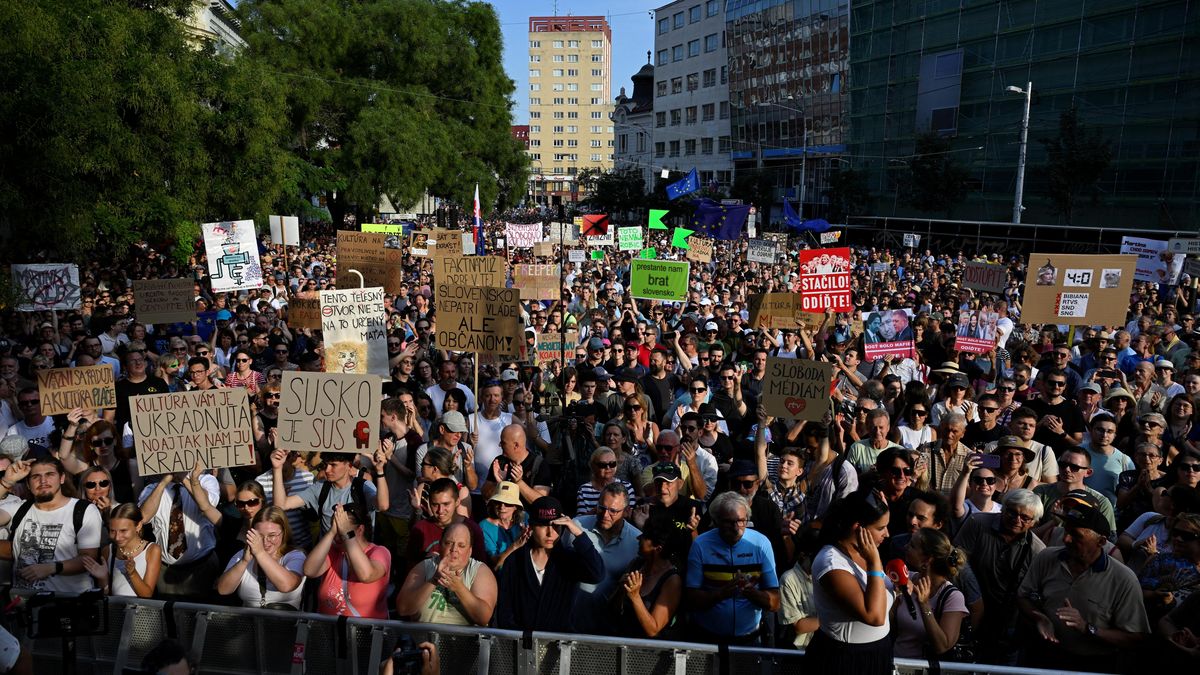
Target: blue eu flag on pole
{"x": 719, "y": 221}
{"x": 689, "y": 184}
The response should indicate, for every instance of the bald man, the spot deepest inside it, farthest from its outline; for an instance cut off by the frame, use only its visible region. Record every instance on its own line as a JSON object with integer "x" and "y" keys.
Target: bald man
{"x": 518, "y": 464}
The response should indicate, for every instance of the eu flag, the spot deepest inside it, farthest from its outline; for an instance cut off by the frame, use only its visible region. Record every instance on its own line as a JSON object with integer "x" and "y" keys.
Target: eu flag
{"x": 720, "y": 221}
{"x": 687, "y": 186}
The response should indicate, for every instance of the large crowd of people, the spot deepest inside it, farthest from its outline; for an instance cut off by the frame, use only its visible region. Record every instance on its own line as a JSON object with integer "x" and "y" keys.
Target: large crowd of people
{"x": 1036, "y": 504}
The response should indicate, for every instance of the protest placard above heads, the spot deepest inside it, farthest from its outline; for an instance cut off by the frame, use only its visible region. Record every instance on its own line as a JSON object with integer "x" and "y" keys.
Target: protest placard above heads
{"x": 232, "y": 251}
{"x": 888, "y": 332}
{"x": 761, "y": 251}
{"x": 368, "y": 253}
{"x": 700, "y": 249}
{"x": 825, "y": 280}
{"x": 1080, "y": 290}
{"x": 353, "y": 323}
{"x": 164, "y": 300}
{"x": 1156, "y": 263}
{"x": 985, "y": 277}
{"x": 285, "y": 230}
{"x": 469, "y": 270}
{"x": 796, "y": 389}
{"x": 480, "y": 319}
{"x": 88, "y": 387}
{"x": 173, "y": 431}
{"x": 658, "y": 279}
{"x": 41, "y": 286}
{"x": 329, "y": 412}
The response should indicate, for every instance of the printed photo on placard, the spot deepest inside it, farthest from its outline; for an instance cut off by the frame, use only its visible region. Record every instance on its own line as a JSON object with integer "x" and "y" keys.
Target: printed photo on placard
{"x": 886, "y": 332}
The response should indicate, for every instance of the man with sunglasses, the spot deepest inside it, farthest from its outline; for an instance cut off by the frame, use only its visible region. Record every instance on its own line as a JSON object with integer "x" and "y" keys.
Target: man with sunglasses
{"x": 33, "y": 426}
{"x": 1074, "y": 467}
{"x": 1060, "y": 424}
{"x": 616, "y": 540}
{"x": 987, "y": 429}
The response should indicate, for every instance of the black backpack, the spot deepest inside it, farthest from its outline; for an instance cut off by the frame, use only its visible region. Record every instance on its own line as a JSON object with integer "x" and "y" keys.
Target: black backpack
{"x": 76, "y": 517}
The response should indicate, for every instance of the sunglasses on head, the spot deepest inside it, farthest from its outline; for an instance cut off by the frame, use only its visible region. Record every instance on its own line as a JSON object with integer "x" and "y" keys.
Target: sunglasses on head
{"x": 93, "y": 484}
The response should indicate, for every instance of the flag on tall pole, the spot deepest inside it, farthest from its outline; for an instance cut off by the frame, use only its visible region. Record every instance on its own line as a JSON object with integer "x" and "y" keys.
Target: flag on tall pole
{"x": 689, "y": 184}
{"x": 478, "y": 226}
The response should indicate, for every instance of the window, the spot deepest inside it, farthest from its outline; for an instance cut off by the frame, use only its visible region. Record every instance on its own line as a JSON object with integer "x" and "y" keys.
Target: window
{"x": 944, "y": 120}
{"x": 660, "y": 119}
{"x": 723, "y": 145}
{"x": 677, "y": 53}
{"x": 572, "y": 86}
{"x": 558, "y": 129}
{"x": 596, "y": 158}
{"x": 708, "y": 112}
{"x": 711, "y": 42}
{"x": 706, "y": 146}
{"x": 596, "y": 144}
{"x": 535, "y": 101}
{"x": 597, "y": 86}
{"x": 536, "y": 155}
{"x": 558, "y": 100}
{"x": 557, "y": 58}
{"x": 724, "y": 110}
{"x": 714, "y": 6}
{"x": 535, "y": 143}
{"x": 724, "y": 177}
{"x": 694, "y": 14}
{"x": 690, "y": 114}
{"x": 572, "y": 129}
{"x": 558, "y": 143}
{"x": 678, "y": 19}
{"x": 689, "y": 147}
{"x": 660, "y": 149}
{"x": 535, "y": 73}
{"x": 557, "y": 86}
{"x": 534, "y": 86}
{"x": 557, "y": 44}
{"x": 661, "y": 88}
{"x": 724, "y": 74}
{"x": 558, "y": 114}
{"x": 597, "y": 115}
{"x": 535, "y": 128}
{"x": 572, "y": 115}
{"x": 674, "y": 149}
{"x": 662, "y": 57}
{"x": 597, "y": 44}
{"x": 664, "y": 26}
{"x": 535, "y": 44}
{"x": 572, "y": 143}
{"x": 676, "y": 117}
{"x": 556, "y": 72}
{"x": 535, "y": 58}
{"x": 597, "y": 72}
{"x": 573, "y": 44}
{"x": 572, "y": 72}
{"x": 693, "y": 48}
{"x": 597, "y": 58}
{"x": 596, "y": 129}
{"x": 693, "y": 81}
{"x": 571, "y": 100}
{"x": 676, "y": 85}
{"x": 533, "y": 115}
{"x": 710, "y": 78}
{"x": 641, "y": 144}
{"x": 572, "y": 58}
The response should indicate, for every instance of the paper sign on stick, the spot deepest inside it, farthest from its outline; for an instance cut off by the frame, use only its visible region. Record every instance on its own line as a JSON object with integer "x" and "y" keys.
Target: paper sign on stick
{"x": 658, "y": 279}
{"x": 164, "y": 300}
{"x": 88, "y": 387}
{"x": 46, "y": 286}
{"x": 329, "y": 412}
{"x": 480, "y": 319}
{"x": 232, "y": 251}
{"x": 976, "y": 331}
{"x": 772, "y": 310}
{"x": 796, "y": 389}
{"x": 1060, "y": 286}
{"x": 761, "y": 251}
{"x": 304, "y": 310}
{"x": 285, "y": 230}
{"x": 418, "y": 244}
{"x": 173, "y": 431}
{"x": 985, "y": 277}
{"x": 367, "y": 252}
{"x": 553, "y": 346}
{"x": 397, "y": 229}
{"x": 353, "y": 322}
{"x": 576, "y": 255}
{"x": 543, "y": 249}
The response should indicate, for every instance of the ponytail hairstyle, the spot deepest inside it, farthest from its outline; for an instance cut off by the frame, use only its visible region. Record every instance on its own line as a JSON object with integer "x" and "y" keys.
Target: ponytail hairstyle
{"x": 860, "y": 508}
{"x": 945, "y": 559}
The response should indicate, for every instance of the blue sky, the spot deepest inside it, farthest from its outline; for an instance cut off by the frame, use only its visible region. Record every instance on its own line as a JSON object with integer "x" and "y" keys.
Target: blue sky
{"x": 631, "y": 22}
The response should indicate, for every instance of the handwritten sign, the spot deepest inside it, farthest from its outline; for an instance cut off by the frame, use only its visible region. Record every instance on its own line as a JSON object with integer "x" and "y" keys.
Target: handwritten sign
{"x": 173, "y": 431}
{"x": 563, "y": 233}
{"x": 985, "y": 277}
{"x": 825, "y": 280}
{"x": 473, "y": 270}
{"x": 700, "y": 249}
{"x": 543, "y": 249}
{"x": 164, "y": 300}
{"x": 761, "y": 251}
{"x": 796, "y": 389}
{"x": 523, "y": 235}
{"x": 353, "y": 322}
{"x": 88, "y": 387}
{"x": 772, "y": 310}
{"x": 304, "y": 310}
{"x": 480, "y": 319}
{"x": 630, "y": 238}
{"x": 536, "y": 282}
{"x": 1078, "y": 289}
{"x": 329, "y": 412}
{"x": 554, "y": 346}
{"x": 232, "y": 251}
{"x": 46, "y": 286}
{"x": 367, "y": 252}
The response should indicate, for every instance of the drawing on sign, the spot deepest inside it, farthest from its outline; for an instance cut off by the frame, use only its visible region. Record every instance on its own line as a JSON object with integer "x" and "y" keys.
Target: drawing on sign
{"x": 65, "y": 389}
{"x": 329, "y": 412}
{"x": 232, "y": 251}
{"x": 46, "y": 286}
{"x": 796, "y": 388}
{"x": 1110, "y": 278}
{"x": 353, "y": 323}
{"x": 174, "y": 431}
{"x": 418, "y": 244}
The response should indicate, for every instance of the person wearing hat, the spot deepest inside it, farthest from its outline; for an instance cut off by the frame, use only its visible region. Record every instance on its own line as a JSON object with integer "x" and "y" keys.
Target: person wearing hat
{"x": 539, "y": 584}
{"x": 954, "y": 398}
{"x": 504, "y": 526}
{"x": 1108, "y": 463}
{"x": 617, "y": 542}
{"x": 1016, "y": 455}
{"x": 1171, "y": 348}
{"x": 1074, "y": 466}
{"x": 1085, "y": 609}
{"x": 1164, "y": 371}
{"x": 666, "y": 499}
{"x": 449, "y": 433}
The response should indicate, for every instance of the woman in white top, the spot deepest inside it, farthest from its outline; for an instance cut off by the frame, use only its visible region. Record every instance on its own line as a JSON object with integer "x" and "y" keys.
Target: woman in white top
{"x": 939, "y": 607}
{"x": 129, "y": 565}
{"x": 973, "y": 491}
{"x": 851, "y": 593}
{"x": 268, "y": 572}
{"x": 915, "y": 428}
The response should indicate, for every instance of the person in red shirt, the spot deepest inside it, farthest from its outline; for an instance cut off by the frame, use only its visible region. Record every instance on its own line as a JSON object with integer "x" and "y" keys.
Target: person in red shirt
{"x": 425, "y": 538}
{"x": 353, "y": 571}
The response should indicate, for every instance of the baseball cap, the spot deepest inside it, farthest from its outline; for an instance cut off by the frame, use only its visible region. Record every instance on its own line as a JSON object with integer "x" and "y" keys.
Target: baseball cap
{"x": 742, "y": 467}
{"x": 595, "y": 344}
{"x": 509, "y": 375}
{"x": 455, "y": 421}
{"x": 224, "y": 315}
{"x": 1092, "y": 387}
{"x": 711, "y": 325}
{"x": 601, "y": 373}
{"x": 667, "y": 471}
{"x": 626, "y": 375}
{"x": 544, "y": 511}
{"x": 958, "y": 380}
{"x": 1081, "y": 512}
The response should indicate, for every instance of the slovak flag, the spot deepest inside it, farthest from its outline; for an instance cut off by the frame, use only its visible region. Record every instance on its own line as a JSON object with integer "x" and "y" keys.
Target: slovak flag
{"x": 478, "y": 227}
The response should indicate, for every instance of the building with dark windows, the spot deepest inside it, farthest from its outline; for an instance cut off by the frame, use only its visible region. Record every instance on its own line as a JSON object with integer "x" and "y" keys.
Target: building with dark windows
{"x": 1130, "y": 68}
{"x": 788, "y": 64}
{"x": 632, "y": 118}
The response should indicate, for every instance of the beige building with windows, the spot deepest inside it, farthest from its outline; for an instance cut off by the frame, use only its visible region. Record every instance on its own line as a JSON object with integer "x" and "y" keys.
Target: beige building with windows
{"x": 570, "y": 98}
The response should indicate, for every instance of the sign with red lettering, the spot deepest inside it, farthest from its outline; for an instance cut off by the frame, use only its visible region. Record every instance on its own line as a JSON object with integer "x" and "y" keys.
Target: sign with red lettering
{"x": 825, "y": 280}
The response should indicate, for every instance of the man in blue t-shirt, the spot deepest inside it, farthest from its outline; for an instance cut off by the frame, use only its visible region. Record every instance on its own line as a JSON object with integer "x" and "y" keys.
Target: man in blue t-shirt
{"x": 730, "y": 577}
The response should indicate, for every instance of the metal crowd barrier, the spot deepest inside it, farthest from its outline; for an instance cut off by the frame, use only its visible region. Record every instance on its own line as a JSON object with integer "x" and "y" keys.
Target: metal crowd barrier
{"x": 246, "y": 641}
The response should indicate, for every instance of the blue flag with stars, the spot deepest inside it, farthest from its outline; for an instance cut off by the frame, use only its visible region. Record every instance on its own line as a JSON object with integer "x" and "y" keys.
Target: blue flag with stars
{"x": 687, "y": 186}
{"x": 719, "y": 221}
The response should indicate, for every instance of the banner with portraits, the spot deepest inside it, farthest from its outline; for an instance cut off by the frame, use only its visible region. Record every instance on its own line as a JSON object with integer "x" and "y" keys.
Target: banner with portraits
{"x": 975, "y": 331}
{"x": 888, "y": 332}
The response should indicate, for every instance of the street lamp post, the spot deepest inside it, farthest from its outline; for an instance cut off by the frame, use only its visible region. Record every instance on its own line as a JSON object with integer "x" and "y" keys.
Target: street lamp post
{"x": 1018, "y": 207}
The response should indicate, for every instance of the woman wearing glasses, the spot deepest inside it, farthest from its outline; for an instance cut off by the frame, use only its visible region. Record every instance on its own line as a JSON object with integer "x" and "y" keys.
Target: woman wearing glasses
{"x": 604, "y": 471}
{"x": 96, "y": 486}
{"x": 245, "y": 376}
{"x": 231, "y": 527}
{"x": 169, "y": 371}
{"x": 100, "y": 447}
{"x": 269, "y": 571}
{"x": 915, "y": 429}
{"x": 974, "y": 491}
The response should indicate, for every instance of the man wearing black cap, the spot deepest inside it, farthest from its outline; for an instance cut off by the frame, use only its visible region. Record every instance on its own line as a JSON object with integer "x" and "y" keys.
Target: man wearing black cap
{"x": 1086, "y": 610}
{"x": 667, "y": 505}
{"x": 539, "y": 583}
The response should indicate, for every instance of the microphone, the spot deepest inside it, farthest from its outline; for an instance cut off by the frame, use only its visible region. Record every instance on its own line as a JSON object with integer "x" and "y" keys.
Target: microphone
{"x": 897, "y": 571}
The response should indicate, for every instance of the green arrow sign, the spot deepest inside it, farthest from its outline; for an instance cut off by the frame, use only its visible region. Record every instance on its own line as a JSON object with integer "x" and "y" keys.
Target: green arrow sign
{"x": 656, "y": 216}
{"x": 648, "y": 254}
{"x": 679, "y": 237}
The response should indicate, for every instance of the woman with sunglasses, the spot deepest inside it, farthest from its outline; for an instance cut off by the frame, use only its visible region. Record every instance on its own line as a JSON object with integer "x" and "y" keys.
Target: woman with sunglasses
{"x": 641, "y": 431}
{"x": 1182, "y": 432}
{"x": 915, "y": 429}
{"x": 1015, "y": 455}
{"x": 1168, "y": 579}
{"x": 438, "y": 463}
{"x": 231, "y": 527}
{"x": 244, "y": 375}
{"x": 100, "y": 447}
{"x": 974, "y": 491}
{"x": 129, "y": 565}
{"x": 505, "y": 523}
{"x": 1185, "y": 470}
{"x": 630, "y": 462}
{"x": 603, "y": 465}
{"x": 957, "y": 393}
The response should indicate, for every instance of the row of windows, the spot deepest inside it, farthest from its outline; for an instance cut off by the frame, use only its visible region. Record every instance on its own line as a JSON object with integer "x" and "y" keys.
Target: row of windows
{"x": 569, "y": 128}
{"x": 569, "y": 157}
{"x": 689, "y": 146}
{"x": 570, "y": 143}
{"x": 568, "y": 44}
{"x": 711, "y": 43}
{"x": 566, "y": 86}
{"x": 711, "y": 8}
{"x": 569, "y": 72}
{"x": 559, "y": 100}
{"x": 676, "y": 84}
{"x": 569, "y": 58}
{"x": 688, "y": 115}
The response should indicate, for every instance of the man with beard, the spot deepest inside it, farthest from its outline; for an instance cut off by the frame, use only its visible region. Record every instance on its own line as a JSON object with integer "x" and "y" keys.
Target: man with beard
{"x": 50, "y": 536}
{"x": 447, "y": 380}
{"x": 659, "y": 384}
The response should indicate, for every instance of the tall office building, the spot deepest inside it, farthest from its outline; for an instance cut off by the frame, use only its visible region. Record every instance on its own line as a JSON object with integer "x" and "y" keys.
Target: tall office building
{"x": 570, "y": 99}
{"x": 633, "y": 122}
{"x": 691, "y": 91}
{"x": 1130, "y": 68}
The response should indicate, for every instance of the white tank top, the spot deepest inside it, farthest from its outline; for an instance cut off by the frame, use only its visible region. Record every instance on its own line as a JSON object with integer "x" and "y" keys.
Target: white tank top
{"x": 118, "y": 581}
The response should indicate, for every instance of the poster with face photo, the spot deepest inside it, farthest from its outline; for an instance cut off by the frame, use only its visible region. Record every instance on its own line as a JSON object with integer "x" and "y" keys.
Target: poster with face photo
{"x": 887, "y": 331}
{"x": 975, "y": 332}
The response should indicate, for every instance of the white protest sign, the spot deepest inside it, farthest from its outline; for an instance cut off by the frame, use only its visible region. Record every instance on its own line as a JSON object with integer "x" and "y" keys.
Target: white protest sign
{"x": 353, "y": 322}
{"x": 1184, "y": 246}
{"x": 232, "y": 251}
{"x": 173, "y": 431}
{"x": 630, "y": 238}
{"x": 911, "y": 240}
{"x": 46, "y": 286}
{"x": 523, "y": 235}
{"x": 831, "y": 237}
{"x": 576, "y": 255}
{"x": 329, "y": 412}
{"x": 606, "y": 239}
{"x": 1155, "y": 263}
{"x": 285, "y": 230}
{"x": 761, "y": 251}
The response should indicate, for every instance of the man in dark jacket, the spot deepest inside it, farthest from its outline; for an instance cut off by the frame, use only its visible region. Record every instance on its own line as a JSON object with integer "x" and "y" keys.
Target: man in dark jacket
{"x": 539, "y": 582}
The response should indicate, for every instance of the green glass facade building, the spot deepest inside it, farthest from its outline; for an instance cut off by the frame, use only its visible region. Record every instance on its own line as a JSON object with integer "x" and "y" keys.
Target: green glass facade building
{"x": 1130, "y": 67}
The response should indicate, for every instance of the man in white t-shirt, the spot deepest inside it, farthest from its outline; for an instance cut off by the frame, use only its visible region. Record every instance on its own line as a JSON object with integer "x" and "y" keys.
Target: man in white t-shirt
{"x": 33, "y": 426}
{"x": 49, "y": 542}
{"x": 489, "y": 422}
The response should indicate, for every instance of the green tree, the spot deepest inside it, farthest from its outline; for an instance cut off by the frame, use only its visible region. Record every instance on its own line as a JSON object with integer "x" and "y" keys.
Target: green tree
{"x": 848, "y": 194}
{"x": 392, "y": 97}
{"x": 935, "y": 181}
{"x": 1075, "y": 161}
{"x": 115, "y": 127}
{"x": 614, "y": 191}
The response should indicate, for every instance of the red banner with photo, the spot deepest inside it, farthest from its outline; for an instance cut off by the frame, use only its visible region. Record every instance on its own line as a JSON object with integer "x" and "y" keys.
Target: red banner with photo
{"x": 825, "y": 280}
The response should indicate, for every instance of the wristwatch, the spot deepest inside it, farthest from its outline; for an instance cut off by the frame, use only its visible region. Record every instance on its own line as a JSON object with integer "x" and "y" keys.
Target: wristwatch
{"x": 349, "y": 535}
{"x": 1093, "y": 629}
{"x": 58, "y": 567}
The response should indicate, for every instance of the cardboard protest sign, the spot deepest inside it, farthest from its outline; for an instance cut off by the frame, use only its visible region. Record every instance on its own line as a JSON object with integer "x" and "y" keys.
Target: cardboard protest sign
{"x": 576, "y": 255}
{"x": 658, "y": 279}
{"x": 480, "y": 319}
{"x": 88, "y": 387}
{"x": 418, "y": 244}
{"x": 825, "y": 280}
{"x": 887, "y": 332}
{"x": 544, "y": 249}
{"x": 772, "y": 310}
{"x": 537, "y": 282}
{"x": 700, "y": 249}
{"x": 398, "y": 229}
{"x": 796, "y": 389}
{"x": 354, "y": 324}
{"x": 985, "y": 277}
{"x": 46, "y": 286}
{"x": 1081, "y": 290}
{"x": 553, "y": 346}
{"x": 232, "y": 251}
{"x": 630, "y": 238}
{"x": 976, "y": 331}
{"x": 563, "y": 233}
{"x": 367, "y": 253}
{"x": 760, "y": 251}
{"x": 285, "y": 230}
{"x": 173, "y": 431}
{"x": 1156, "y": 264}
{"x": 164, "y": 300}
{"x": 329, "y": 412}
{"x": 474, "y": 270}
{"x": 304, "y": 310}
{"x": 523, "y": 235}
